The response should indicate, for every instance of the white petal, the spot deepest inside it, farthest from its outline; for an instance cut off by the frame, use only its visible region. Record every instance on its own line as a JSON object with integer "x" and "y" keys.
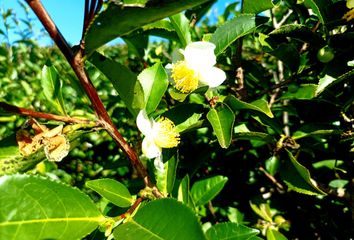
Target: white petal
{"x": 350, "y": 4}
{"x": 144, "y": 123}
{"x": 199, "y": 55}
{"x": 158, "y": 163}
{"x": 150, "y": 149}
{"x": 212, "y": 77}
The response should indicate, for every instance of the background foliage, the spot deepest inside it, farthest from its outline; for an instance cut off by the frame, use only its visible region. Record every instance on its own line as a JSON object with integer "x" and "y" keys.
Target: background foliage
{"x": 270, "y": 149}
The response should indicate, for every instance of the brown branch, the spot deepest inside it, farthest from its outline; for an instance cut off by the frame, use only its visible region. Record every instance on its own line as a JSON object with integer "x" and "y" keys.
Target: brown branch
{"x": 76, "y": 61}
{"x": 34, "y": 114}
{"x": 131, "y": 209}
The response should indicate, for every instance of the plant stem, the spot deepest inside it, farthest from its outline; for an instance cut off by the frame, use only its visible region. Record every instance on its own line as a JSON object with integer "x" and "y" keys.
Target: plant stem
{"x": 76, "y": 61}
{"x": 35, "y": 114}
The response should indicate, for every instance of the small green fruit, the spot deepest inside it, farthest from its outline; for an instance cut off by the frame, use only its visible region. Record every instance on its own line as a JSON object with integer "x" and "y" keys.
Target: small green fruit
{"x": 325, "y": 54}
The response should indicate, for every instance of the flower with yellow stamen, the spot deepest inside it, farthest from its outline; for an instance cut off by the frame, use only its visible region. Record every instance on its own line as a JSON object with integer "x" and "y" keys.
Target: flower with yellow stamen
{"x": 158, "y": 134}
{"x": 197, "y": 68}
{"x": 350, "y": 14}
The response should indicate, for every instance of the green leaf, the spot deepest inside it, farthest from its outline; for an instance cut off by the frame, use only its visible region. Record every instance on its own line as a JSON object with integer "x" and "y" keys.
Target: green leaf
{"x": 123, "y": 80}
{"x": 298, "y": 178}
{"x": 319, "y": 7}
{"x": 330, "y": 164}
{"x": 171, "y": 173}
{"x": 233, "y": 29}
{"x": 304, "y": 91}
{"x": 112, "y": 190}
{"x": 297, "y": 31}
{"x": 181, "y": 26}
{"x": 154, "y": 81}
{"x": 161, "y": 219}
{"x": 273, "y": 234}
{"x": 184, "y": 192}
{"x": 222, "y": 120}
{"x": 52, "y": 88}
{"x": 323, "y": 83}
{"x": 251, "y": 6}
{"x": 205, "y": 190}
{"x": 38, "y": 208}
{"x": 263, "y": 211}
{"x": 231, "y": 231}
{"x": 259, "y": 105}
{"x": 116, "y": 21}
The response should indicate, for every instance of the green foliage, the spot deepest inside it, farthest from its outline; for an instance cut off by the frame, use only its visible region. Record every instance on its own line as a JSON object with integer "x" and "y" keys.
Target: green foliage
{"x": 57, "y": 211}
{"x": 158, "y": 220}
{"x": 114, "y": 191}
{"x": 266, "y": 154}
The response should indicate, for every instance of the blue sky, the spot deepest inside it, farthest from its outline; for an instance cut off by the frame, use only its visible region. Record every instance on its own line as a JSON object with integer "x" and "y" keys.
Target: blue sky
{"x": 68, "y": 15}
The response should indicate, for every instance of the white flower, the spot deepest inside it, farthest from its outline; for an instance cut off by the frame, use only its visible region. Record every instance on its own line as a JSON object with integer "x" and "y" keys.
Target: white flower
{"x": 158, "y": 134}
{"x": 197, "y": 68}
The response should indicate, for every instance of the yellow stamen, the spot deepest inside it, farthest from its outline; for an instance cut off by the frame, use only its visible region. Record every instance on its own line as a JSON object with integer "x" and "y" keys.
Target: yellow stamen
{"x": 349, "y": 15}
{"x": 166, "y": 135}
{"x": 186, "y": 79}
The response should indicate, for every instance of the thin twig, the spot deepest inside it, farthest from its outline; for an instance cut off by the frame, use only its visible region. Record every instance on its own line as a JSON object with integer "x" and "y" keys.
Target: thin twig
{"x": 35, "y": 114}
{"x": 76, "y": 61}
{"x": 271, "y": 178}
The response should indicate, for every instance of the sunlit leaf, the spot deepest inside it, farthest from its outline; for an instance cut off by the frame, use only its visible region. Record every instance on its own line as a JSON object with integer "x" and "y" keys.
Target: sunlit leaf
{"x": 52, "y": 88}
{"x": 233, "y": 29}
{"x": 161, "y": 219}
{"x": 205, "y": 190}
{"x": 250, "y": 6}
{"x": 304, "y": 91}
{"x": 181, "y": 26}
{"x": 37, "y": 208}
{"x": 273, "y": 234}
{"x": 154, "y": 81}
{"x": 123, "y": 80}
{"x": 258, "y": 105}
{"x": 116, "y": 21}
{"x": 112, "y": 190}
{"x": 231, "y": 231}
{"x": 298, "y": 178}
{"x": 222, "y": 120}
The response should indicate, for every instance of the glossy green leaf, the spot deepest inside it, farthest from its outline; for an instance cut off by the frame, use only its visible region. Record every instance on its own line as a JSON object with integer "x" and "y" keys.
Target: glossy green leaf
{"x": 259, "y": 105}
{"x": 181, "y": 26}
{"x": 124, "y": 81}
{"x": 298, "y": 178}
{"x": 330, "y": 164}
{"x": 273, "y": 234}
{"x": 231, "y": 231}
{"x": 162, "y": 28}
{"x": 112, "y": 190}
{"x": 205, "y": 190}
{"x": 251, "y": 6}
{"x": 304, "y": 91}
{"x": 338, "y": 183}
{"x": 52, "y": 88}
{"x": 258, "y": 136}
{"x": 37, "y": 208}
{"x": 184, "y": 194}
{"x": 222, "y": 120}
{"x": 165, "y": 219}
{"x": 171, "y": 173}
{"x": 319, "y": 7}
{"x": 272, "y": 165}
{"x": 116, "y": 21}
{"x": 323, "y": 83}
{"x": 154, "y": 81}
{"x": 233, "y": 29}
